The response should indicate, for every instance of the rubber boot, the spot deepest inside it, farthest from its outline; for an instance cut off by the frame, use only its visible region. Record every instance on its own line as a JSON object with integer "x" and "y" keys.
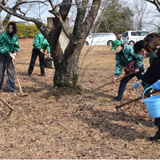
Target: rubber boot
{"x": 157, "y": 136}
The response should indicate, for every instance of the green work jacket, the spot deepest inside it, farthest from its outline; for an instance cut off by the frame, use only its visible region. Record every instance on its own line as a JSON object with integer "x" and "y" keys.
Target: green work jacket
{"x": 41, "y": 43}
{"x": 125, "y": 57}
{"x": 152, "y": 56}
{"x": 8, "y": 44}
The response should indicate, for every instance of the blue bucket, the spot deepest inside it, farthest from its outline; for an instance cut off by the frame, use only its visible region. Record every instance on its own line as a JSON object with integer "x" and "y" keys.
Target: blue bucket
{"x": 152, "y": 104}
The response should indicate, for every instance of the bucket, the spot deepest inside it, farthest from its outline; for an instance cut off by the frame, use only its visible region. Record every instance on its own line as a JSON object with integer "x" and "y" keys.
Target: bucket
{"x": 152, "y": 104}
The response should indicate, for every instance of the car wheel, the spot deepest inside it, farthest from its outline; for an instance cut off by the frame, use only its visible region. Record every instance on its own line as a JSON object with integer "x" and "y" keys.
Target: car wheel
{"x": 131, "y": 43}
{"x": 86, "y": 43}
{"x": 109, "y": 43}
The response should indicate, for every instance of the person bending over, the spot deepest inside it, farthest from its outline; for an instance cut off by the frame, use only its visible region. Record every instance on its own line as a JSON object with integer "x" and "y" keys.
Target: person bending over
{"x": 131, "y": 61}
{"x": 39, "y": 47}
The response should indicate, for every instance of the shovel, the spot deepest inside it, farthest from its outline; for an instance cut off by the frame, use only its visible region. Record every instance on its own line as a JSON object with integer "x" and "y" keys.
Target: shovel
{"x": 112, "y": 81}
{"x": 7, "y": 106}
{"x": 19, "y": 85}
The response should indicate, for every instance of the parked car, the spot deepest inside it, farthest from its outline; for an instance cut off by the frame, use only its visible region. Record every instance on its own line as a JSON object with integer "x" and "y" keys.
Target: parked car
{"x": 131, "y": 37}
{"x": 121, "y": 39}
{"x": 100, "y": 39}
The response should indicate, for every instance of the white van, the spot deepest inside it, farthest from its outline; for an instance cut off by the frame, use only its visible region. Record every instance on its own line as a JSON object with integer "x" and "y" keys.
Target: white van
{"x": 131, "y": 37}
{"x": 100, "y": 39}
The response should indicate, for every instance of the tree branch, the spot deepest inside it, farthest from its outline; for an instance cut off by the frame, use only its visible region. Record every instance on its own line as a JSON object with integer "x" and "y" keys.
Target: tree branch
{"x": 24, "y": 2}
{"x": 57, "y": 15}
{"x": 39, "y": 24}
{"x": 156, "y": 3}
{"x": 50, "y": 1}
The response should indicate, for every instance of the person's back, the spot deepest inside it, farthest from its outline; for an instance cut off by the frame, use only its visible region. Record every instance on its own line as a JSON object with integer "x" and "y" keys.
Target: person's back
{"x": 39, "y": 46}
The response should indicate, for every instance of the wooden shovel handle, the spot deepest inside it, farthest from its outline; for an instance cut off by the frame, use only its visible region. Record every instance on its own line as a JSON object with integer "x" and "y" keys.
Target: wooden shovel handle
{"x": 19, "y": 85}
{"x": 47, "y": 55}
{"x": 7, "y": 105}
{"x": 133, "y": 100}
{"x": 119, "y": 78}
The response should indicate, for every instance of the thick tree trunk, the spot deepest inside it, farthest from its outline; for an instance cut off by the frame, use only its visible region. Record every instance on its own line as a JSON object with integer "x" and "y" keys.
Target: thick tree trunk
{"x": 66, "y": 70}
{"x": 66, "y": 64}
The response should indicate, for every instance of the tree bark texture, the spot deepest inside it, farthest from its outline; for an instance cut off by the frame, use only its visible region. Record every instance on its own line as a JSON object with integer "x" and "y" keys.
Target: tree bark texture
{"x": 66, "y": 64}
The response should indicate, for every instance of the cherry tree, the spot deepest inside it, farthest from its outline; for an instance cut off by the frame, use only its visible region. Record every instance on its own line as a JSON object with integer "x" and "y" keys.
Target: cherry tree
{"x": 66, "y": 62}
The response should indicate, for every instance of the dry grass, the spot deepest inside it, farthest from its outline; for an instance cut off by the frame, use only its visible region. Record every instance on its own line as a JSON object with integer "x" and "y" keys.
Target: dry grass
{"x": 43, "y": 125}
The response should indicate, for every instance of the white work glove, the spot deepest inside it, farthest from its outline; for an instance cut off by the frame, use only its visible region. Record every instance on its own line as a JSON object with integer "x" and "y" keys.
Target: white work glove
{"x": 15, "y": 53}
{"x": 13, "y": 56}
{"x": 136, "y": 85}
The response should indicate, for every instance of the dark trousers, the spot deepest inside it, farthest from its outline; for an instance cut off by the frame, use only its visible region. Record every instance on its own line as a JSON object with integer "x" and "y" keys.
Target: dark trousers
{"x": 157, "y": 122}
{"x": 10, "y": 76}
{"x": 125, "y": 80}
{"x": 35, "y": 53}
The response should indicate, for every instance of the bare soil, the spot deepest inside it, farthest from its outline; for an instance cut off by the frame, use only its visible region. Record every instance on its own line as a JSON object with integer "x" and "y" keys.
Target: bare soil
{"x": 85, "y": 126}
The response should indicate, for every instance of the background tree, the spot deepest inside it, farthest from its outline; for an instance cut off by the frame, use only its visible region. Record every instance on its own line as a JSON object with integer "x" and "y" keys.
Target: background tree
{"x": 15, "y": 7}
{"x": 155, "y": 22}
{"x": 65, "y": 62}
{"x": 141, "y": 14}
{"x": 3, "y": 2}
{"x": 116, "y": 18}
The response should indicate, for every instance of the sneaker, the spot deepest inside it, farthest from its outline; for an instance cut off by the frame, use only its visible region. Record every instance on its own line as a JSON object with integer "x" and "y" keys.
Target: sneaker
{"x": 28, "y": 75}
{"x": 117, "y": 99}
{"x": 43, "y": 75}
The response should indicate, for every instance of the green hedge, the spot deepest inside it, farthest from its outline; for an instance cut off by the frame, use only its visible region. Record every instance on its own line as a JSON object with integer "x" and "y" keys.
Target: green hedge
{"x": 26, "y": 31}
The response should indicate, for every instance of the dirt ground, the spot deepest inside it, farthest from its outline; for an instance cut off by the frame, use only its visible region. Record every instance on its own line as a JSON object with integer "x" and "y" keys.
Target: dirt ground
{"x": 86, "y": 126}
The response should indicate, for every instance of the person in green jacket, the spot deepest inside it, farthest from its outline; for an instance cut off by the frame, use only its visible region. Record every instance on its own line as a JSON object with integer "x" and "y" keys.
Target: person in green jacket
{"x": 9, "y": 47}
{"x": 39, "y": 47}
{"x": 124, "y": 55}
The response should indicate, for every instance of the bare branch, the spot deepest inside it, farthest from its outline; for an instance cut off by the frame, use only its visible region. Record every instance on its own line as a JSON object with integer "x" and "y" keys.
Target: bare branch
{"x": 50, "y": 1}
{"x": 24, "y": 2}
{"x": 57, "y": 15}
{"x": 3, "y": 3}
{"x": 39, "y": 24}
{"x": 156, "y": 3}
